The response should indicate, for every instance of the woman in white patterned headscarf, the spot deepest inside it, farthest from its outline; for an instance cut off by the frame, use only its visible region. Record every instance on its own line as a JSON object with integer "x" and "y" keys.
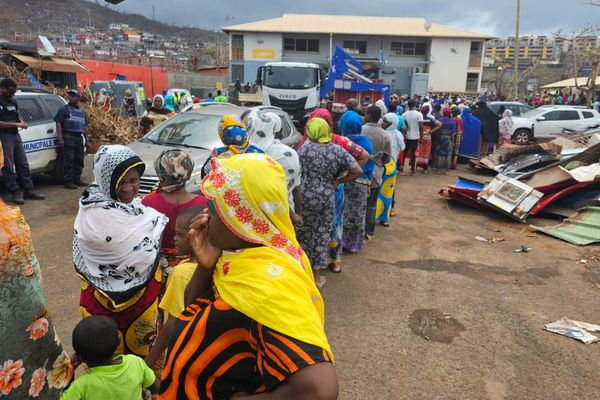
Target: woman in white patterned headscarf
{"x": 262, "y": 127}
{"x": 116, "y": 249}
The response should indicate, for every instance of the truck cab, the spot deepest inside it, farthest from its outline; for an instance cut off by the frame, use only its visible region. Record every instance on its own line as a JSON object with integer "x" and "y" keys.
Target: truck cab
{"x": 291, "y": 86}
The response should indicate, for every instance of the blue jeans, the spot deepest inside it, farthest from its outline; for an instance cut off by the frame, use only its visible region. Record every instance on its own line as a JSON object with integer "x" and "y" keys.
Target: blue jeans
{"x": 16, "y": 168}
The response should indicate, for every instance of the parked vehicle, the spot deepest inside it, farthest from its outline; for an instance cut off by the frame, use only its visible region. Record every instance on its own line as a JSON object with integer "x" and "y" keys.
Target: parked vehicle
{"x": 38, "y": 109}
{"x": 293, "y": 86}
{"x": 518, "y": 109}
{"x": 548, "y": 121}
{"x": 196, "y": 131}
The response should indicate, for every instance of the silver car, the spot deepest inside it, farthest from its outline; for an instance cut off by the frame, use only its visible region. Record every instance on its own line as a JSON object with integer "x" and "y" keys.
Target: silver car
{"x": 196, "y": 132}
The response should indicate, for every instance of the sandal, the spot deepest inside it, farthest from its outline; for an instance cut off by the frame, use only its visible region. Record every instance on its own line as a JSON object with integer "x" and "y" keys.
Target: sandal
{"x": 393, "y": 212}
{"x": 385, "y": 223}
{"x": 335, "y": 267}
{"x": 320, "y": 281}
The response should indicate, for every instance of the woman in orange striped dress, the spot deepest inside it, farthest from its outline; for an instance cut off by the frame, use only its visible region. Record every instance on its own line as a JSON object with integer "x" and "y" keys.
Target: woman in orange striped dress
{"x": 254, "y": 325}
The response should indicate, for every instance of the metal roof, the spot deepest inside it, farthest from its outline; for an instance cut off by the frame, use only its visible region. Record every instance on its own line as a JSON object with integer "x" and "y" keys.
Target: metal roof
{"x": 569, "y": 83}
{"x": 355, "y": 25}
{"x": 581, "y": 229}
{"x": 53, "y": 64}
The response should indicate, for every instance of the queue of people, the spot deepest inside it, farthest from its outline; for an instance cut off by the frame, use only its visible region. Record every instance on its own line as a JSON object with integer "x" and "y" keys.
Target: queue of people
{"x": 216, "y": 296}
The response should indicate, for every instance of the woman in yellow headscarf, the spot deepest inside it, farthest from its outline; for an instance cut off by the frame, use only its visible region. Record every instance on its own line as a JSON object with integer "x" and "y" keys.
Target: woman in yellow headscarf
{"x": 324, "y": 166}
{"x": 255, "y": 317}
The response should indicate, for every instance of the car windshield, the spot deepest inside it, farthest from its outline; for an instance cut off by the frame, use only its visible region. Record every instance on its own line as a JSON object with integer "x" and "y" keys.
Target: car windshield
{"x": 188, "y": 130}
{"x": 289, "y": 77}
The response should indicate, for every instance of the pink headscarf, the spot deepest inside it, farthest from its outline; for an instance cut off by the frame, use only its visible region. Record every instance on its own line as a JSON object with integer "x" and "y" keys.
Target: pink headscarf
{"x": 318, "y": 113}
{"x": 323, "y": 114}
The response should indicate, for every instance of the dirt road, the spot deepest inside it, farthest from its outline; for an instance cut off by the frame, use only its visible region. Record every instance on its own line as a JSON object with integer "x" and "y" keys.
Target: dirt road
{"x": 426, "y": 311}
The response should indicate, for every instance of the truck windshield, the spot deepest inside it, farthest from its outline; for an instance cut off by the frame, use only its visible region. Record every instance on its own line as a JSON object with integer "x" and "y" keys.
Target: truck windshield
{"x": 289, "y": 77}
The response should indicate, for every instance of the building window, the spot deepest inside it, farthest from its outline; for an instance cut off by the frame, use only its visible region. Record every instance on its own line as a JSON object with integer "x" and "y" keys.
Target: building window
{"x": 408, "y": 48}
{"x": 475, "y": 54}
{"x": 301, "y": 45}
{"x": 237, "y": 72}
{"x": 472, "y": 81}
{"x": 237, "y": 47}
{"x": 355, "y": 46}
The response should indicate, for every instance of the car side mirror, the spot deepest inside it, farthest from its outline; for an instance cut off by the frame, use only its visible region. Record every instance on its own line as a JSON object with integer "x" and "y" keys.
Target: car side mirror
{"x": 541, "y": 118}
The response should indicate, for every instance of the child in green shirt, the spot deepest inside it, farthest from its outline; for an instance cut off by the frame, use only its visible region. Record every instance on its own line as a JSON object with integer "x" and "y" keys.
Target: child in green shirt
{"x": 95, "y": 340}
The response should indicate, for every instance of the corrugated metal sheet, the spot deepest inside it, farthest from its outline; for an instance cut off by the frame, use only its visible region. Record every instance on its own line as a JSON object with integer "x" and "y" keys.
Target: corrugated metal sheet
{"x": 52, "y": 64}
{"x": 569, "y": 83}
{"x": 354, "y": 25}
{"x": 581, "y": 229}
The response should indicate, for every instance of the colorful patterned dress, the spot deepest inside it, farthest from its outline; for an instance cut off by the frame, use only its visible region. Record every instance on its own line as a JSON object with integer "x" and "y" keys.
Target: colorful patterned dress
{"x": 32, "y": 361}
{"x": 321, "y": 165}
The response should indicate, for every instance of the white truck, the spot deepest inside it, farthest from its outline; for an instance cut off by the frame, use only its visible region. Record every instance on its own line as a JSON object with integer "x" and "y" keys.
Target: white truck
{"x": 291, "y": 86}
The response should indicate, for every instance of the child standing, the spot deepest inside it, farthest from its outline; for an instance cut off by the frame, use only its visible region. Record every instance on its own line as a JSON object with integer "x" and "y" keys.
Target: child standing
{"x": 95, "y": 340}
{"x": 172, "y": 303}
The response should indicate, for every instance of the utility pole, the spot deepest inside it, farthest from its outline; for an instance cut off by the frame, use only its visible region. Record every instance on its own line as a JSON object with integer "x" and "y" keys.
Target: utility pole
{"x": 517, "y": 45}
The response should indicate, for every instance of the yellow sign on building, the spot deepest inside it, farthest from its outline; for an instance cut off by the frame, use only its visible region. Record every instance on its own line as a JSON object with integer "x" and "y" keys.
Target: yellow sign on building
{"x": 265, "y": 54}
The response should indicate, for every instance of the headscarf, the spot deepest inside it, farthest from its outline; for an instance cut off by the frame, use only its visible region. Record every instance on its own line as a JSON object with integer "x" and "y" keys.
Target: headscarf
{"x": 381, "y": 104}
{"x": 318, "y": 113}
{"x": 506, "y": 124}
{"x": 471, "y": 134}
{"x": 318, "y": 131}
{"x": 490, "y": 131}
{"x": 261, "y": 127}
{"x": 351, "y": 123}
{"x": 396, "y": 137}
{"x": 447, "y": 112}
{"x": 233, "y": 135}
{"x": 323, "y": 114}
{"x": 426, "y": 111}
{"x": 116, "y": 246}
{"x": 174, "y": 168}
{"x": 351, "y": 126}
{"x": 158, "y": 96}
{"x": 273, "y": 283}
{"x": 169, "y": 103}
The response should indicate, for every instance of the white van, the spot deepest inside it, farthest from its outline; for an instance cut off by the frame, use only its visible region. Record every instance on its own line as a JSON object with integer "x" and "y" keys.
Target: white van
{"x": 38, "y": 109}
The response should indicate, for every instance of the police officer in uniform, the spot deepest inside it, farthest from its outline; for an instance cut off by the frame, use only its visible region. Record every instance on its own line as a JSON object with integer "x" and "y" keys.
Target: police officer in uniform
{"x": 70, "y": 127}
{"x": 16, "y": 168}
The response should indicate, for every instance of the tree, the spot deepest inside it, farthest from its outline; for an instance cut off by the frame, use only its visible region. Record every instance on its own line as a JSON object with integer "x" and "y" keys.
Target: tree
{"x": 523, "y": 74}
{"x": 590, "y": 54}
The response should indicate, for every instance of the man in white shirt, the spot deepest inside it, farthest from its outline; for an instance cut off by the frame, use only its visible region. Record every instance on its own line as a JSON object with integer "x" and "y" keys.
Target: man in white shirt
{"x": 414, "y": 133}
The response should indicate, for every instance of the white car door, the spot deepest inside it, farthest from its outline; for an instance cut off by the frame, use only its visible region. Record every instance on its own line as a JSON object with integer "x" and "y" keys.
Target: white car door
{"x": 546, "y": 123}
{"x": 39, "y": 139}
{"x": 553, "y": 122}
{"x": 571, "y": 119}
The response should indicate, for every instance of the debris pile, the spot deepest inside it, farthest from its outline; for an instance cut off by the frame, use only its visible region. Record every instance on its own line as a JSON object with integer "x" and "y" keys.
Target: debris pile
{"x": 103, "y": 128}
{"x": 559, "y": 179}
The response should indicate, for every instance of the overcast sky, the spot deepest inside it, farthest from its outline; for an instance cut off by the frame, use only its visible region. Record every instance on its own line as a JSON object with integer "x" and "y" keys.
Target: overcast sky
{"x": 496, "y": 17}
